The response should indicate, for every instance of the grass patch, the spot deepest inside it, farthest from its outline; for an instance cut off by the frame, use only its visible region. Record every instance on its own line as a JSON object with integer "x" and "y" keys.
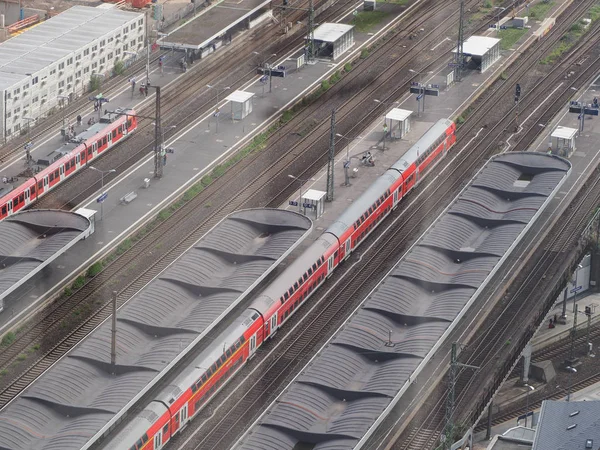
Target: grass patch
{"x": 574, "y": 34}
{"x": 36, "y": 347}
{"x": 364, "y": 21}
{"x": 504, "y": 76}
{"x": 22, "y": 357}
{"x": 594, "y": 12}
{"x": 3, "y": 372}
{"x": 347, "y": 67}
{"x": 94, "y": 270}
{"x": 78, "y": 283}
{"x": 510, "y": 37}
{"x": 8, "y": 339}
{"x": 396, "y": 2}
{"x": 539, "y": 10}
{"x": 364, "y": 53}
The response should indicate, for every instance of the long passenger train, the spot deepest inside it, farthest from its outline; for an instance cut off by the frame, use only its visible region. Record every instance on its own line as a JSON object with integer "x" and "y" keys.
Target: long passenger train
{"x": 75, "y": 155}
{"x": 176, "y": 404}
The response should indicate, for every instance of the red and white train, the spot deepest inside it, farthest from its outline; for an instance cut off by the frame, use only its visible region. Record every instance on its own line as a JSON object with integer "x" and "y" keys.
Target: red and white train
{"x": 176, "y": 404}
{"x": 73, "y": 156}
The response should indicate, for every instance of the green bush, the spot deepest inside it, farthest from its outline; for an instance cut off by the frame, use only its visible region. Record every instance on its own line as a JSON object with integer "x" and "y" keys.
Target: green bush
{"x": 78, "y": 283}
{"x": 8, "y": 339}
{"x": 325, "y": 85}
{"x": 94, "y": 270}
{"x": 347, "y": 67}
{"x": 119, "y": 67}
{"x": 364, "y": 53}
{"x": 68, "y": 291}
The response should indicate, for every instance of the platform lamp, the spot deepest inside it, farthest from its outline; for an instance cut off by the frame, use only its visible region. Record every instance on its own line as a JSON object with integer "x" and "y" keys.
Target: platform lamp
{"x": 217, "y": 113}
{"x": 101, "y": 199}
{"x": 347, "y": 162}
{"x": 270, "y": 69}
{"x": 529, "y": 389}
{"x": 301, "y": 184}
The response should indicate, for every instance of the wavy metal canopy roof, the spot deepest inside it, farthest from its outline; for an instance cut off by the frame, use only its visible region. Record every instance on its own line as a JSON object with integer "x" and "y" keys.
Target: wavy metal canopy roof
{"x": 79, "y": 395}
{"x": 30, "y": 240}
{"x": 367, "y": 365}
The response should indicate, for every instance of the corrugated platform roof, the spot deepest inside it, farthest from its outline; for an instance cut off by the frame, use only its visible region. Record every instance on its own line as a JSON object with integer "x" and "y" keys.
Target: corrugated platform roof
{"x": 56, "y": 38}
{"x": 331, "y": 32}
{"x": 78, "y": 396}
{"x": 29, "y": 239}
{"x": 366, "y": 366}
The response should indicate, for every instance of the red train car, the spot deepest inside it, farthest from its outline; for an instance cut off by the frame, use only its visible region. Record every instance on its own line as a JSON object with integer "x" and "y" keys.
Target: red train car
{"x": 177, "y": 403}
{"x": 69, "y": 159}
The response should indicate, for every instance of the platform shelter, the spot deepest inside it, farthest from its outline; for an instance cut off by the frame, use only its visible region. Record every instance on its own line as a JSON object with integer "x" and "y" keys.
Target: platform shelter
{"x": 333, "y": 39}
{"x": 482, "y": 50}
{"x": 313, "y": 203}
{"x": 241, "y": 104}
{"x": 398, "y": 122}
{"x": 563, "y": 141}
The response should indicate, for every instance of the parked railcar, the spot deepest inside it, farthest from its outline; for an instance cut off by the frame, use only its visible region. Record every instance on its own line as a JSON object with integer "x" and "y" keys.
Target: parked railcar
{"x": 70, "y": 158}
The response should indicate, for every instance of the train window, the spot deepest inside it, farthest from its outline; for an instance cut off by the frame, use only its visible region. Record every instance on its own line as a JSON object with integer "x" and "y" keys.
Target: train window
{"x": 89, "y": 151}
{"x": 40, "y": 185}
{"x": 15, "y": 201}
{"x": 4, "y": 210}
{"x": 166, "y": 429}
{"x": 291, "y": 291}
{"x": 285, "y": 315}
{"x": 104, "y": 140}
{"x": 310, "y": 271}
{"x": 129, "y": 123}
{"x": 335, "y": 255}
{"x": 56, "y": 173}
{"x": 296, "y": 285}
{"x": 139, "y": 444}
{"x": 32, "y": 189}
{"x": 21, "y": 198}
{"x": 223, "y": 358}
{"x": 73, "y": 162}
{"x": 219, "y": 363}
{"x": 305, "y": 277}
{"x": 286, "y": 295}
{"x": 99, "y": 143}
{"x": 114, "y": 134}
{"x": 213, "y": 368}
{"x": 314, "y": 266}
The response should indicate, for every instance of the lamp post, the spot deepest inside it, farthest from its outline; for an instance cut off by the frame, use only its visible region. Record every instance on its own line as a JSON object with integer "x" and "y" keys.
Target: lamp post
{"x": 385, "y": 128}
{"x": 500, "y": 10}
{"x": 273, "y": 55}
{"x": 217, "y": 112}
{"x": 63, "y": 106}
{"x": 347, "y": 162}
{"x": 102, "y": 172}
{"x": 421, "y": 88}
{"x": 301, "y": 184}
{"x": 529, "y": 388}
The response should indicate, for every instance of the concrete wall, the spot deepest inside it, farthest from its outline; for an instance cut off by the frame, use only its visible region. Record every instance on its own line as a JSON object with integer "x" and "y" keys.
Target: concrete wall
{"x": 10, "y": 11}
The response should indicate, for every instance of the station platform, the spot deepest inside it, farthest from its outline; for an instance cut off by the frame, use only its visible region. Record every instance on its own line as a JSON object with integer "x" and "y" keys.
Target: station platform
{"x": 160, "y": 325}
{"x": 30, "y": 240}
{"x": 215, "y": 22}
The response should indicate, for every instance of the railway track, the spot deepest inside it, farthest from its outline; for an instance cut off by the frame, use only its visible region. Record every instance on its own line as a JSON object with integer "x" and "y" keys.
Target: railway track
{"x": 428, "y": 427}
{"x": 181, "y": 104}
{"x": 166, "y": 237}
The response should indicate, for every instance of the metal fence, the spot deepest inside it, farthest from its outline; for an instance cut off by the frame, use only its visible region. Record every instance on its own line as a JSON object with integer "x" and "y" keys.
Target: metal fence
{"x": 179, "y": 14}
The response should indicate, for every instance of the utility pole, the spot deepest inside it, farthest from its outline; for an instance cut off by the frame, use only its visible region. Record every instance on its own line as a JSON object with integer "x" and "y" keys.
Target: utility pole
{"x": 113, "y": 342}
{"x": 331, "y": 160}
{"x": 447, "y": 437}
{"x": 310, "y": 38}
{"x": 517, "y": 98}
{"x": 458, "y": 66}
{"x": 573, "y": 333}
{"x": 588, "y": 313}
{"x": 158, "y": 161}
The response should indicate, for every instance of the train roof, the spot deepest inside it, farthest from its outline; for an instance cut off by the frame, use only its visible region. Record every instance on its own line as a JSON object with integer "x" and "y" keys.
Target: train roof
{"x": 422, "y": 144}
{"x": 295, "y": 270}
{"x": 127, "y": 437}
{"x": 368, "y": 364}
{"x": 362, "y": 203}
{"x": 155, "y": 328}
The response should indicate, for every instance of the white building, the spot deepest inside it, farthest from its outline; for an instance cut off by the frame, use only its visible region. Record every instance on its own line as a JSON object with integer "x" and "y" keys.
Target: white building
{"x": 55, "y": 60}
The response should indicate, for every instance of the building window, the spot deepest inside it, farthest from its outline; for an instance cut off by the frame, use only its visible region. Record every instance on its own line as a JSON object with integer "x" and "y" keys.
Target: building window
{"x": 8, "y": 96}
{"x": 125, "y": 30}
{"x": 140, "y": 22}
{"x": 117, "y": 52}
{"x": 34, "y": 99}
{"x": 78, "y": 57}
{"x": 102, "y": 43}
{"x": 94, "y": 48}
{"x": 109, "y": 56}
{"x": 53, "y": 71}
{"x": 61, "y": 84}
{"x": 34, "y": 80}
{"x": 70, "y": 79}
{"x": 86, "y": 52}
{"x": 86, "y": 69}
{"x": 102, "y": 60}
{"x": 78, "y": 74}
{"x": 8, "y": 131}
{"x": 110, "y": 40}
{"x": 8, "y": 114}
{"x": 141, "y": 39}
{"x": 17, "y": 110}
{"x": 125, "y": 47}
{"x": 94, "y": 65}
{"x": 17, "y": 91}
{"x": 61, "y": 66}
{"x": 17, "y": 126}
{"x": 133, "y": 43}
{"x": 69, "y": 61}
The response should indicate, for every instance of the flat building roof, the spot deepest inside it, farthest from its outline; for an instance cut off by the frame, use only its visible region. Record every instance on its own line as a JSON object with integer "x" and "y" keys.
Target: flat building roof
{"x": 478, "y": 45}
{"x": 54, "y": 39}
{"x": 331, "y": 32}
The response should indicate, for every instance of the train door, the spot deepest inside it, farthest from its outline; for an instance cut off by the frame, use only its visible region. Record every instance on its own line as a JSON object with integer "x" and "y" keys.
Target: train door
{"x": 395, "y": 198}
{"x": 330, "y": 266}
{"x": 77, "y": 161}
{"x": 176, "y": 424}
{"x": 348, "y": 245}
{"x": 158, "y": 440}
{"x": 109, "y": 138}
{"x": 62, "y": 172}
{"x": 9, "y": 207}
{"x": 184, "y": 414}
{"x": 94, "y": 150}
{"x": 27, "y": 196}
{"x": 273, "y": 323}
{"x": 252, "y": 346}
{"x": 45, "y": 183}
